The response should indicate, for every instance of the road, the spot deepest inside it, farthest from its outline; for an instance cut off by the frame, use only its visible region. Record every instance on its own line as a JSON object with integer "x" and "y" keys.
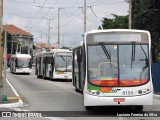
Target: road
{"x": 46, "y": 95}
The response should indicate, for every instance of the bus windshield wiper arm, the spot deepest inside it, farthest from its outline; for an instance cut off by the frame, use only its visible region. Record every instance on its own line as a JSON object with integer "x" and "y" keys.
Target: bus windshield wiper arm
{"x": 108, "y": 55}
{"x": 146, "y": 59}
{"x": 133, "y": 53}
{"x": 105, "y": 50}
{"x": 62, "y": 57}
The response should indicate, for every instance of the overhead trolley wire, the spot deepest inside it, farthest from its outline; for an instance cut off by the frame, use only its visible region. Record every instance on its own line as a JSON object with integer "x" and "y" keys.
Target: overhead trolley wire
{"x": 23, "y": 3}
{"x": 37, "y": 13}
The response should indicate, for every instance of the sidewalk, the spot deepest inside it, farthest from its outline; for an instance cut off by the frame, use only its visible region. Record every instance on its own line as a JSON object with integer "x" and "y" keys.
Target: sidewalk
{"x": 13, "y": 99}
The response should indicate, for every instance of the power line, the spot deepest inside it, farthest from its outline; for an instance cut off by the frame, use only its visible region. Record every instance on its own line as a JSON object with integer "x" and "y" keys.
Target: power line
{"x": 99, "y": 1}
{"x": 96, "y": 17}
{"x": 37, "y": 13}
{"x": 46, "y": 12}
{"x": 107, "y": 4}
{"x": 23, "y": 3}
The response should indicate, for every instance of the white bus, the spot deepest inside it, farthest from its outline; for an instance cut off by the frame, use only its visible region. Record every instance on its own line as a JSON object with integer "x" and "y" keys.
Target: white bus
{"x": 55, "y": 64}
{"x": 113, "y": 67}
{"x": 20, "y": 63}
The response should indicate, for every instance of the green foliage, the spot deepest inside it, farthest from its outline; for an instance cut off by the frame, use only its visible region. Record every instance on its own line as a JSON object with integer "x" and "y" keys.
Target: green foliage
{"x": 146, "y": 16}
{"x": 117, "y": 22}
{"x": 9, "y": 43}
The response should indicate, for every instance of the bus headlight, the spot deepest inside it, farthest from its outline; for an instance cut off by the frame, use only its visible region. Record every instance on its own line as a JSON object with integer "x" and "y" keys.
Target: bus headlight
{"x": 97, "y": 92}
{"x": 144, "y": 91}
{"x": 94, "y": 92}
{"x": 140, "y": 91}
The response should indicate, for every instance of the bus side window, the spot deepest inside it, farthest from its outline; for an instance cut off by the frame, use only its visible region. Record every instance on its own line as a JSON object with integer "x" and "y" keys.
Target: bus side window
{"x": 79, "y": 55}
{"x": 16, "y": 62}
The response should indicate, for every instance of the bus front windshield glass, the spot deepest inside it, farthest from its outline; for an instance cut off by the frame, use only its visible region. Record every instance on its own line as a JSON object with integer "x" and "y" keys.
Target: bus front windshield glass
{"x": 63, "y": 63}
{"x": 118, "y": 65}
{"x": 23, "y": 63}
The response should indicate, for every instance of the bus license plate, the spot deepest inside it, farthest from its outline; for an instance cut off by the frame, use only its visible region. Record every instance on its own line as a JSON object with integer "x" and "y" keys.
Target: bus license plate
{"x": 119, "y": 100}
{"x": 65, "y": 76}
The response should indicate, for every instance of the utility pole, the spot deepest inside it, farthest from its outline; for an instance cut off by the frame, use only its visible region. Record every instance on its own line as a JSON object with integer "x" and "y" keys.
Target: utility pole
{"x": 84, "y": 16}
{"x": 12, "y": 46}
{"x": 49, "y": 46}
{"x": 58, "y": 28}
{"x": 1, "y": 48}
{"x": 4, "y": 97}
{"x": 130, "y": 14}
{"x": 29, "y": 52}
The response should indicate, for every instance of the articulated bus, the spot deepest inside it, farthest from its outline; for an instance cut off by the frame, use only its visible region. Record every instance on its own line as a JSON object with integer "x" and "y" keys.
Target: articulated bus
{"x": 113, "y": 68}
{"x": 54, "y": 64}
{"x": 20, "y": 63}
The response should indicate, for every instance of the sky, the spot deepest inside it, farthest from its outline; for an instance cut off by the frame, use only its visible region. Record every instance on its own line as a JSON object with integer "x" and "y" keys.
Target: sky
{"x": 34, "y": 15}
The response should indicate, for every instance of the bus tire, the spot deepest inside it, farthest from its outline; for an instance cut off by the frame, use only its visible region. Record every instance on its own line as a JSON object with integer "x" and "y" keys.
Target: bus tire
{"x": 69, "y": 80}
{"x": 38, "y": 76}
{"x": 139, "y": 107}
{"x": 89, "y": 107}
{"x": 76, "y": 89}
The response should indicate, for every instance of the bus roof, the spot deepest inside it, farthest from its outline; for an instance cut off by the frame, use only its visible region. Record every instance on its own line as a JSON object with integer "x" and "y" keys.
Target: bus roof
{"x": 21, "y": 56}
{"x": 56, "y": 50}
{"x": 116, "y": 30}
{"x": 117, "y": 36}
{"x": 61, "y": 50}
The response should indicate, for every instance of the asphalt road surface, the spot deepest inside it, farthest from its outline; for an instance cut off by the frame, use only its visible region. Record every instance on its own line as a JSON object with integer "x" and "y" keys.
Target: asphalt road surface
{"x": 46, "y": 95}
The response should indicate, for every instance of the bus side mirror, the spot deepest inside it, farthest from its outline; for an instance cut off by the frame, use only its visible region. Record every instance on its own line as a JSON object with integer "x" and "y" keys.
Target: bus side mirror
{"x": 79, "y": 55}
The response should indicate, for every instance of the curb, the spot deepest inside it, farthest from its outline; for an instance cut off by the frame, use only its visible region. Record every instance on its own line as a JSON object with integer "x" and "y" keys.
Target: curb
{"x": 17, "y": 97}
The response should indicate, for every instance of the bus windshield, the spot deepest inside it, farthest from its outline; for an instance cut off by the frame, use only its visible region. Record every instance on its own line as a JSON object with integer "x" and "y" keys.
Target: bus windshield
{"x": 23, "y": 63}
{"x": 131, "y": 70}
{"x": 63, "y": 63}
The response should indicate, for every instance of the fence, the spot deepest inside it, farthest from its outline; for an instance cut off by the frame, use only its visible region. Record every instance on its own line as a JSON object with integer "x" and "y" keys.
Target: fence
{"x": 156, "y": 76}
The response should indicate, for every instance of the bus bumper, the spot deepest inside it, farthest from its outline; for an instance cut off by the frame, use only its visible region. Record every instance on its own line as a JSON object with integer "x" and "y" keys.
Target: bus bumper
{"x": 90, "y": 100}
{"x": 56, "y": 76}
{"x": 26, "y": 70}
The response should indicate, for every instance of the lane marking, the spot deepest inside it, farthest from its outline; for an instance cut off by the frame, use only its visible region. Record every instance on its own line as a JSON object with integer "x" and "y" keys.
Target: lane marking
{"x": 12, "y": 105}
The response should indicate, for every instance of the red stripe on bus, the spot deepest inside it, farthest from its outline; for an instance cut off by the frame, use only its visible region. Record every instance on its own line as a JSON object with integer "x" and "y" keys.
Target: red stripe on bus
{"x": 114, "y": 82}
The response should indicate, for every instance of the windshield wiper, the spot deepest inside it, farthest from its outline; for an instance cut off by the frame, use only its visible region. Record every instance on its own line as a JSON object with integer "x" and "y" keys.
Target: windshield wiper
{"x": 146, "y": 61}
{"x": 106, "y": 52}
{"x": 133, "y": 53}
{"x": 62, "y": 57}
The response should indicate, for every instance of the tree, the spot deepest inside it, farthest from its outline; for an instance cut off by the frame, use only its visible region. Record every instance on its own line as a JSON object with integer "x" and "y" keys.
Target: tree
{"x": 9, "y": 43}
{"x": 117, "y": 22}
{"x": 146, "y": 16}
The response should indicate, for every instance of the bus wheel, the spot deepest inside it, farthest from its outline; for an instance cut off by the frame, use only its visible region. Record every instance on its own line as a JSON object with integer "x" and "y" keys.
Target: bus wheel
{"x": 76, "y": 89}
{"x": 139, "y": 107}
{"x": 89, "y": 107}
{"x": 69, "y": 80}
{"x": 39, "y": 76}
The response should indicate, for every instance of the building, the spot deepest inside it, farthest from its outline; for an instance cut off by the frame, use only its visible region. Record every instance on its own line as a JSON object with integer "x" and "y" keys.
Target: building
{"x": 38, "y": 48}
{"x": 25, "y": 38}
